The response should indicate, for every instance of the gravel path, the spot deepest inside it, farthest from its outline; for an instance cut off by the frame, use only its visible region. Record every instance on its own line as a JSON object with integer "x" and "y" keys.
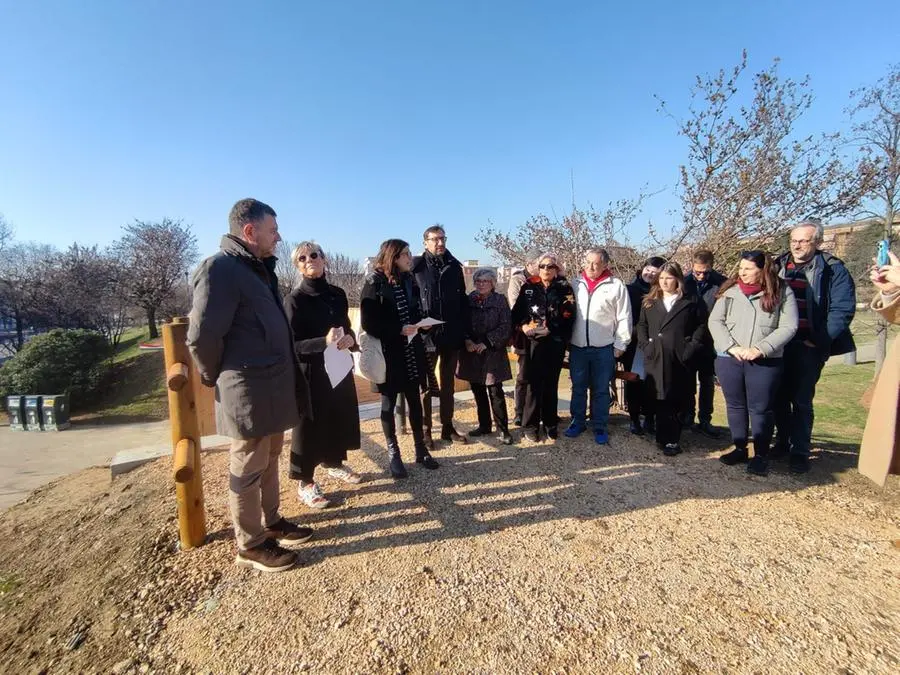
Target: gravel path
{"x": 558, "y": 557}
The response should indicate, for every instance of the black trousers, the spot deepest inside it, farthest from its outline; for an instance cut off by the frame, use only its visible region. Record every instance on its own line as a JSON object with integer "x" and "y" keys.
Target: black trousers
{"x": 703, "y": 397}
{"x": 521, "y": 385}
{"x": 414, "y": 410}
{"x": 489, "y": 398}
{"x": 544, "y": 359}
{"x": 639, "y": 401}
{"x": 449, "y": 357}
{"x": 668, "y": 421}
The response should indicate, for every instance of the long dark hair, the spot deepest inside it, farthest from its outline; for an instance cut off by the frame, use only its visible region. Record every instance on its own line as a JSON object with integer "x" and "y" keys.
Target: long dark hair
{"x": 770, "y": 283}
{"x": 386, "y": 260}
{"x": 656, "y": 291}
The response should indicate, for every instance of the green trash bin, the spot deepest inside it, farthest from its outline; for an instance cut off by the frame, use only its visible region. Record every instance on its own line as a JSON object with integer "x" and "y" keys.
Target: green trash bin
{"x": 15, "y": 408}
{"x": 33, "y": 413}
{"x": 55, "y": 412}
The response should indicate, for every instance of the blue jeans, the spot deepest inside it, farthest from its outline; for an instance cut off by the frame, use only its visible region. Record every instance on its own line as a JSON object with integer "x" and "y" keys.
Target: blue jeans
{"x": 750, "y": 388}
{"x": 591, "y": 367}
{"x": 794, "y": 414}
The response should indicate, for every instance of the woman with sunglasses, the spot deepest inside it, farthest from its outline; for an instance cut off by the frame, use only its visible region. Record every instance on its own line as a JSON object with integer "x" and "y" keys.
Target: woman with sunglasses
{"x": 671, "y": 331}
{"x": 389, "y": 308}
{"x": 318, "y": 315}
{"x": 544, "y": 313}
{"x": 754, "y": 317}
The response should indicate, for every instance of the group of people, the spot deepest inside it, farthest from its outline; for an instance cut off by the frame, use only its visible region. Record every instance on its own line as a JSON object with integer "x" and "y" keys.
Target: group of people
{"x": 764, "y": 334}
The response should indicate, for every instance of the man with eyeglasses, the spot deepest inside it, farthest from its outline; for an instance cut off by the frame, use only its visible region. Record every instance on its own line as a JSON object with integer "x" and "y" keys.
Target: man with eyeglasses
{"x": 704, "y": 282}
{"x": 443, "y": 289}
{"x": 826, "y": 303}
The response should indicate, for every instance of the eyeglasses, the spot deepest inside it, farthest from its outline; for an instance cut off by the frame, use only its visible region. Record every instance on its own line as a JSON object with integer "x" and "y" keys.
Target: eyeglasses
{"x": 548, "y": 267}
{"x": 437, "y": 239}
{"x": 801, "y": 242}
{"x": 483, "y": 281}
{"x": 312, "y": 256}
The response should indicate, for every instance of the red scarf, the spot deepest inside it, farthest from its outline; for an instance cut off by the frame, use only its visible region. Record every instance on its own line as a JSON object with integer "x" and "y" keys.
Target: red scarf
{"x": 593, "y": 283}
{"x": 749, "y": 290}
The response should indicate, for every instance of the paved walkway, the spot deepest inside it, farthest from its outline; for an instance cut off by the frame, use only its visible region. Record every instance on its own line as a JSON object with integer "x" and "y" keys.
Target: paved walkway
{"x": 29, "y": 460}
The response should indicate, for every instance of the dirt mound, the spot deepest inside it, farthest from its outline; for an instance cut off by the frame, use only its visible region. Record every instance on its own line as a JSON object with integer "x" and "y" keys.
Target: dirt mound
{"x": 560, "y": 557}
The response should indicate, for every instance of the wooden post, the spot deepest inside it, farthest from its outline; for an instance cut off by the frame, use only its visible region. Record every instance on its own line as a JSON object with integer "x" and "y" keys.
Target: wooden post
{"x": 185, "y": 434}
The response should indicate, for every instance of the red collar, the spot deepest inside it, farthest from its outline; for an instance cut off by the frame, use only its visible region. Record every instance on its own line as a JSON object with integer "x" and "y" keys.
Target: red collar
{"x": 593, "y": 283}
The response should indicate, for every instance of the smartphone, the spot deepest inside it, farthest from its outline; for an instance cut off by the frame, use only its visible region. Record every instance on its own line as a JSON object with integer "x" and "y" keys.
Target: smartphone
{"x": 881, "y": 257}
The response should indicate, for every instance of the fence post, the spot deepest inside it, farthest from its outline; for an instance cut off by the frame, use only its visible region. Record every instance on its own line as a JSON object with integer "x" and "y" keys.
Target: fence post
{"x": 185, "y": 427}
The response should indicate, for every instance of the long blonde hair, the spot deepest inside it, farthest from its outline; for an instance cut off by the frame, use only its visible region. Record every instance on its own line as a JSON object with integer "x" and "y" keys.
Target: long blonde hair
{"x": 656, "y": 291}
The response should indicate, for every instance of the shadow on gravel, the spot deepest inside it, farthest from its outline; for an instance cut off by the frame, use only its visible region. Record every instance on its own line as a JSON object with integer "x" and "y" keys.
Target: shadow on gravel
{"x": 486, "y": 487}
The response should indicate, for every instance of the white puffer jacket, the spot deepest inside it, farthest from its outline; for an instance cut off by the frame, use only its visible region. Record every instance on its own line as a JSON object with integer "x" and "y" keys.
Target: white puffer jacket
{"x": 602, "y": 317}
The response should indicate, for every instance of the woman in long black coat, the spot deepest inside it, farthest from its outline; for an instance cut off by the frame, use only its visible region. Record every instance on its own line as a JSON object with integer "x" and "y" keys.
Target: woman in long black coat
{"x": 389, "y": 308}
{"x": 318, "y": 314}
{"x": 671, "y": 332}
{"x": 544, "y": 313}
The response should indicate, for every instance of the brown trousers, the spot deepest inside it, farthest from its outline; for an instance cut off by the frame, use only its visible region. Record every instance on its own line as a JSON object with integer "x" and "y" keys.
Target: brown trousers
{"x": 253, "y": 495}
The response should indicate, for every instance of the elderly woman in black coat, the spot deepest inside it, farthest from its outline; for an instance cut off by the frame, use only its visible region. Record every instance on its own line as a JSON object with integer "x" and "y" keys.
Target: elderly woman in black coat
{"x": 671, "y": 332}
{"x": 485, "y": 362}
{"x": 544, "y": 313}
{"x": 318, "y": 314}
{"x": 389, "y": 309}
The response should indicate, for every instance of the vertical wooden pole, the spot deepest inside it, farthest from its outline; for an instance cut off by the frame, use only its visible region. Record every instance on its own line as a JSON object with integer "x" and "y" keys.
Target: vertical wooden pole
{"x": 185, "y": 427}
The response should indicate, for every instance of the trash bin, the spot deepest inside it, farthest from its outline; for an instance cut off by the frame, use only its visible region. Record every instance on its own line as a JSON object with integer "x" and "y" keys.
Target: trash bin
{"x": 55, "y": 408}
{"x": 15, "y": 408}
{"x": 33, "y": 413}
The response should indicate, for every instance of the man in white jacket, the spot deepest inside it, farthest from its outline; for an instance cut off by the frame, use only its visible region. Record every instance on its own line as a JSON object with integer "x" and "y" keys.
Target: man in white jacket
{"x": 601, "y": 333}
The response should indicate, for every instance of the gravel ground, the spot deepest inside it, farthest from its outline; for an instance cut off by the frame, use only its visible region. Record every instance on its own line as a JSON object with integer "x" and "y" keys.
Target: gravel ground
{"x": 553, "y": 557}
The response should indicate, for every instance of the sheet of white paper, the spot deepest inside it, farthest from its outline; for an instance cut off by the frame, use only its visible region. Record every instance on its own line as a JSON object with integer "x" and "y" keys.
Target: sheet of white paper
{"x": 338, "y": 363}
{"x": 424, "y": 323}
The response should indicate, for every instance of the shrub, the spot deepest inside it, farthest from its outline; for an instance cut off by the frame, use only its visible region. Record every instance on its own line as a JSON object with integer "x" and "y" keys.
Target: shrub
{"x": 58, "y": 362}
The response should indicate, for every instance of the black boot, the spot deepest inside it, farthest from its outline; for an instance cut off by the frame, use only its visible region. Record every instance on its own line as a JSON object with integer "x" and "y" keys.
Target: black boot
{"x": 424, "y": 458}
{"x": 396, "y": 464}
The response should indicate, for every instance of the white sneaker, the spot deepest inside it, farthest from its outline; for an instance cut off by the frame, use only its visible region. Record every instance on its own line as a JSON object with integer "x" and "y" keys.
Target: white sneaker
{"x": 345, "y": 473}
{"x": 311, "y": 495}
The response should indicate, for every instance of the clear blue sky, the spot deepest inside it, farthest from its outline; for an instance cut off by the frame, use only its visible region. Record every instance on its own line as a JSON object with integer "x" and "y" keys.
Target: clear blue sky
{"x": 361, "y": 120}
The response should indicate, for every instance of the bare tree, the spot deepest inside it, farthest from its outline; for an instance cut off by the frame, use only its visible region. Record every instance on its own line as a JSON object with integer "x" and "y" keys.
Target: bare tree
{"x": 287, "y": 274}
{"x": 25, "y": 290}
{"x": 347, "y": 273}
{"x": 748, "y": 173}
{"x": 876, "y": 131}
{"x": 6, "y": 233}
{"x": 155, "y": 256}
{"x": 571, "y": 237}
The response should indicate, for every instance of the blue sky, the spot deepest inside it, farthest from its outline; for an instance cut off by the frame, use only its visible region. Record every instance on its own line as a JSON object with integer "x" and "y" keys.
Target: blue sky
{"x": 363, "y": 120}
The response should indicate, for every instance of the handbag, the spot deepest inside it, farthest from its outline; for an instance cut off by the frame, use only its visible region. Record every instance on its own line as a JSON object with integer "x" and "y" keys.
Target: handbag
{"x": 370, "y": 362}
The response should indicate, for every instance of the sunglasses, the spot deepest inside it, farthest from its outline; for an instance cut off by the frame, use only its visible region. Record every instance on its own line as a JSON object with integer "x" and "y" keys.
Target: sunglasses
{"x": 312, "y": 256}
{"x": 550, "y": 266}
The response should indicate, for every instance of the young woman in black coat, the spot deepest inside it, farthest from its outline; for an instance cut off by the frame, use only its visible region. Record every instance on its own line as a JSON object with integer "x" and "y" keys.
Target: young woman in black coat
{"x": 319, "y": 317}
{"x": 544, "y": 313}
{"x": 671, "y": 332}
{"x": 389, "y": 308}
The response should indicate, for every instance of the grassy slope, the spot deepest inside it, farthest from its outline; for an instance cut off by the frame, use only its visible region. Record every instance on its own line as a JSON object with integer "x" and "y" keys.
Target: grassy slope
{"x": 135, "y": 390}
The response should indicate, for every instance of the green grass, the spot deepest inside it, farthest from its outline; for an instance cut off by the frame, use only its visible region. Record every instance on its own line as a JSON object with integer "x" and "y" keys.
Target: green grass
{"x": 840, "y": 415}
{"x": 8, "y": 583}
{"x": 863, "y": 327}
{"x": 135, "y": 390}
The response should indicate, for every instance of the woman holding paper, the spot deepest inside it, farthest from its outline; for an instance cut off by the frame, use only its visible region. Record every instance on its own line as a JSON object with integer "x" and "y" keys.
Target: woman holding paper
{"x": 390, "y": 310}
{"x": 318, "y": 315}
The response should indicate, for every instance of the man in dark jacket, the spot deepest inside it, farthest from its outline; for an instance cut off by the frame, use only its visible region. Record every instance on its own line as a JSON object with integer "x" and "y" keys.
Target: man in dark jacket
{"x": 443, "y": 290}
{"x": 826, "y": 303}
{"x": 241, "y": 343}
{"x": 704, "y": 282}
